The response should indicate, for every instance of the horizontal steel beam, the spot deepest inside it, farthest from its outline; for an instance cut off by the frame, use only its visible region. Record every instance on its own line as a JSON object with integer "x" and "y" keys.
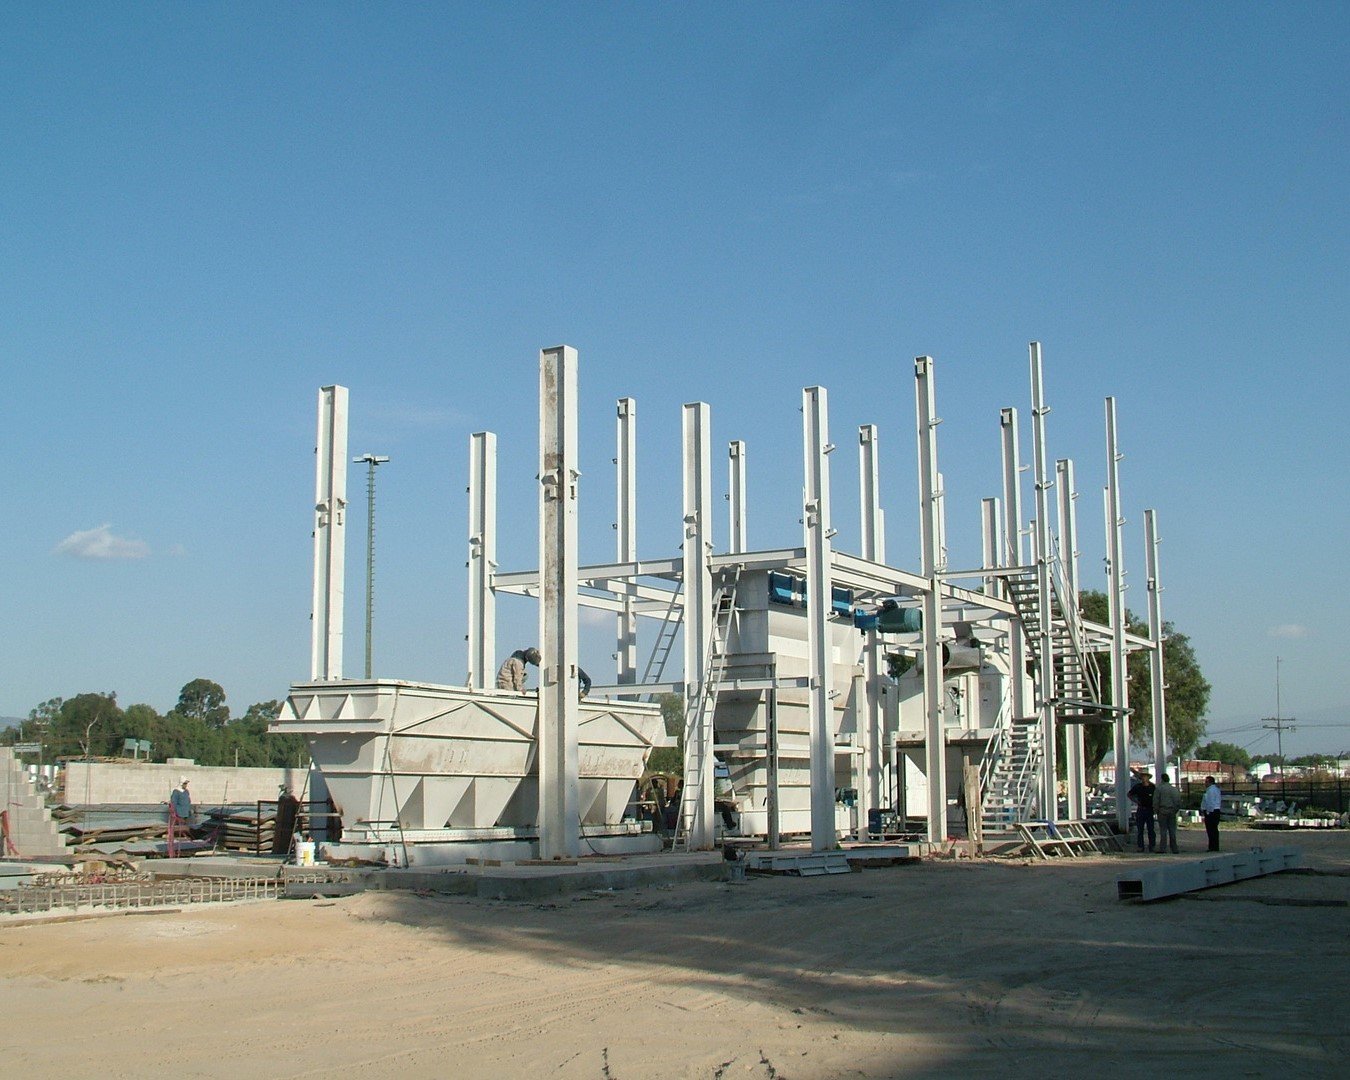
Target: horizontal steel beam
{"x": 1158, "y": 882}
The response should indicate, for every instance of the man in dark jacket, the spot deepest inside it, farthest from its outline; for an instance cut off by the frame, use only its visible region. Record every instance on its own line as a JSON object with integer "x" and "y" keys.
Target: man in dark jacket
{"x": 1141, "y": 794}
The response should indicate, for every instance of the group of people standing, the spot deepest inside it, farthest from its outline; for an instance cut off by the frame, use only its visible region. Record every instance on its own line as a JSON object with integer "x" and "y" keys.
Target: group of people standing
{"x": 1156, "y": 807}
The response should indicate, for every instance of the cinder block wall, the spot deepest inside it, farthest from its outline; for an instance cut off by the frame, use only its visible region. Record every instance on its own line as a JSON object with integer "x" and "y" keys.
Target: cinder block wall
{"x": 93, "y": 783}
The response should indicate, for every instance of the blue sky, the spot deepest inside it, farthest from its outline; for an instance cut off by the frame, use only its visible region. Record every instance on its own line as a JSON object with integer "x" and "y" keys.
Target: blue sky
{"x": 209, "y": 211}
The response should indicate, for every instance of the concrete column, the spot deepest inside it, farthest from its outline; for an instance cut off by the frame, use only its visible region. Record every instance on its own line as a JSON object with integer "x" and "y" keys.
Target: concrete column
{"x": 1155, "y": 655}
{"x": 625, "y": 531}
{"x": 871, "y": 722}
{"x": 935, "y": 736}
{"x": 1075, "y": 756}
{"x": 736, "y": 497}
{"x": 697, "y": 806}
{"x": 1120, "y": 684}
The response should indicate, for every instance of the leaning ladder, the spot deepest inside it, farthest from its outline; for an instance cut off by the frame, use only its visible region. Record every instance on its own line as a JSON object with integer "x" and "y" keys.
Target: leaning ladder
{"x": 724, "y": 609}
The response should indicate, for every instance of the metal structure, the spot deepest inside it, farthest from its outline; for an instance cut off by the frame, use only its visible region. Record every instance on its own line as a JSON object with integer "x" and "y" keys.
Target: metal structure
{"x": 371, "y": 460}
{"x": 792, "y": 727}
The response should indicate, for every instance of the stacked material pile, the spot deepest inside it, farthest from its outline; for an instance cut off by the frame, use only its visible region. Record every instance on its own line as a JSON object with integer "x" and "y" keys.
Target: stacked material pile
{"x": 131, "y": 830}
{"x": 248, "y": 828}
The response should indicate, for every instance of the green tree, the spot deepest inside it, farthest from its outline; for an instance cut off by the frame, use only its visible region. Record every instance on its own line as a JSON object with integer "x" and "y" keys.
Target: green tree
{"x": 85, "y": 725}
{"x": 1227, "y": 753}
{"x": 670, "y": 759}
{"x": 1186, "y": 695}
{"x": 204, "y": 700}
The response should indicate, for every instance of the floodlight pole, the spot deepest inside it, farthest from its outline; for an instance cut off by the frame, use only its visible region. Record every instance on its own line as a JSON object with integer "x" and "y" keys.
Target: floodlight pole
{"x": 371, "y": 460}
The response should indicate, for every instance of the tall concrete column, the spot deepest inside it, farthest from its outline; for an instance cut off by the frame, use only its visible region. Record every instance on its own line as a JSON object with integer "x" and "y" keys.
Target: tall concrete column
{"x": 697, "y": 805}
{"x": 1115, "y": 568}
{"x": 559, "y": 818}
{"x": 625, "y": 532}
{"x": 1155, "y": 655}
{"x": 871, "y": 724}
{"x": 935, "y": 735}
{"x": 819, "y": 600}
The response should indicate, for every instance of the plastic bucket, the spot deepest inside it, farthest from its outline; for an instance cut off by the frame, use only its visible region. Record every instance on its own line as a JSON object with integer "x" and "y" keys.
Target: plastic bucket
{"x": 304, "y": 853}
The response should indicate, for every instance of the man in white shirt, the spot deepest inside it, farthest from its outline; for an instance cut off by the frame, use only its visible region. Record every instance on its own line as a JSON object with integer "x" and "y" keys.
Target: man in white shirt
{"x": 1210, "y": 805}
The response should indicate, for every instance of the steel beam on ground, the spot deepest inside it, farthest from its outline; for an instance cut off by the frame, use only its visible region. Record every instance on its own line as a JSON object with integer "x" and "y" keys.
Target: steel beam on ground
{"x": 1160, "y": 882}
{"x": 819, "y": 591}
{"x": 330, "y": 534}
{"x": 482, "y": 559}
{"x": 559, "y": 816}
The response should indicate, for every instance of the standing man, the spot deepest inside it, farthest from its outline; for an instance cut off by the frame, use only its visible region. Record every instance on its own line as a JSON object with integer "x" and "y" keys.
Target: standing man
{"x": 1166, "y": 803}
{"x": 511, "y": 675}
{"x": 180, "y": 815}
{"x": 1211, "y": 803}
{"x": 1142, "y": 797}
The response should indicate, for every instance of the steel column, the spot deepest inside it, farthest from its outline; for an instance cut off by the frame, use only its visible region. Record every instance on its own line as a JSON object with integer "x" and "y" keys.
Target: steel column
{"x": 330, "y": 534}
{"x": 1155, "y": 654}
{"x": 1120, "y": 692}
{"x": 935, "y": 741}
{"x": 871, "y": 724}
{"x": 697, "y": 804}
{"x": 736, "y": 497}
{"x": 1074, "y": 750}
{"x": 1046, "y": 695}
{"x": 625, "y": 533}
{"x": 819, "y": 596}
{"x": 559, "y": 817}
{"x": 1013, "y": 555}
{"x": 482, "y": 635}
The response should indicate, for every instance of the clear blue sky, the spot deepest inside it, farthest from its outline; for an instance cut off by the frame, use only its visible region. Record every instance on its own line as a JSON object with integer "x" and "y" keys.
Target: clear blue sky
{"x": 209, "y": 211}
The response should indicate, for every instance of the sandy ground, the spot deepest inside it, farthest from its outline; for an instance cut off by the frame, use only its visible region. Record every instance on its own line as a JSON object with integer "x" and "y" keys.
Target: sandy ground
{"x": 938, "y": 969}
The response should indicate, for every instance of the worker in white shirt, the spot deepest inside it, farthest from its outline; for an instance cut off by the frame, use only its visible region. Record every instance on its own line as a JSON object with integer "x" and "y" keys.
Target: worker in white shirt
{"x": 1211, "y": 803}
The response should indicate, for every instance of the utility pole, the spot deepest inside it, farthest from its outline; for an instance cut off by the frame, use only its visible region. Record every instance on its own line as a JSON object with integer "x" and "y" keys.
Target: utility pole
{"x": 1277, "y": 723}
{"x": 371, "y": 461}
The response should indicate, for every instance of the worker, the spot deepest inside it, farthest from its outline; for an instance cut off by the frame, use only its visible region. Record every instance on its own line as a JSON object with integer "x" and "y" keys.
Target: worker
{"x": 180, "y": 817}
{"x": 511, "y": 675}
{"x": 583, "y": 682}
{"x": 288, "y": 814}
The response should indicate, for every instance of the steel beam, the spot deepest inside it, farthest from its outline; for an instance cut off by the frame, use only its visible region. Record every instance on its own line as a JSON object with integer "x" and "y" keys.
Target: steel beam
{"x": 1045, "y": 696}
{"x": 1115, "y": 568}
{"x": 1074, "y": 750}
{"x": 697, "y": 804}
{"x": 559, "y": 817}
{"x": 736, "y": 497}
{"x": 330, "y": 534}
{"x": 625, "y": 533}
{"x": 935, "y": 744}
{"x": 819, "y": 589}
{"x": 1155, "y": 655}
{"x": 1160, "y": 882}
{"x": 482, "y": 636}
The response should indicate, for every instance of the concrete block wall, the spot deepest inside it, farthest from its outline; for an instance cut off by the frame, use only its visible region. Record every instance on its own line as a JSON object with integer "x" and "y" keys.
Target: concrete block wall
{"x": 31, "y": 828}
{"x": 102, "y": 783}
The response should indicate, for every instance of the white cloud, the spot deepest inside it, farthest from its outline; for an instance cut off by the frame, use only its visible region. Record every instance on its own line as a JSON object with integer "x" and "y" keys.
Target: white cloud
{"x": 100, "y": 543}
{"x": 1288, "y": 630}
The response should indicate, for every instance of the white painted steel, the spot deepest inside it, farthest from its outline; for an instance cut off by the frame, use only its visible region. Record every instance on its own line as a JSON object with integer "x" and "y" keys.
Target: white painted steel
{"x": 559, "y": 820}
{"x": 819, "y": 601}
{"x": 935, "y": 746}
{"x": 1074, "y": 750}
{"x": 1157, "y": 683}
{"x": 330, "y": 534}
{"x": 697, "y": 806}
{"x": 420, "y": 757}
{"x": 1115, "y": 568}
{"x": 1159, "y": 882}
{"x": 625, "y": 531}
{"x": 736, "y": 508}
{"x": 1014, "y": 554}
{"x": 1045, "y": 691}
{"x": 872, "y": 725}
{"x": 482, "y": 635}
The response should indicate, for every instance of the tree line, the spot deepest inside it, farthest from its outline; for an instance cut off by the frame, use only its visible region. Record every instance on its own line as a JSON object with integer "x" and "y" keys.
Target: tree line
{"x": 199, "y": 727}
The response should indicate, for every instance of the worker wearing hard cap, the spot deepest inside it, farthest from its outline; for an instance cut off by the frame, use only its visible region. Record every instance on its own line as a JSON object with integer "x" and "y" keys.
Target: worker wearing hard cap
{"x": 511, "y": 675}
{"x": 180, "y": 801}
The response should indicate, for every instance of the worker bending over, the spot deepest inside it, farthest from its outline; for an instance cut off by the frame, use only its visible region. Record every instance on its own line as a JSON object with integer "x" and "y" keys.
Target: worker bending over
{"x": 511, "y": 675}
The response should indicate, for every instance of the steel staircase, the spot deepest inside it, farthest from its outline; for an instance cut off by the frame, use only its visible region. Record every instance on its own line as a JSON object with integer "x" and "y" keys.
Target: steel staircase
{"x": 1075, "y": 691}
{"x": 1010, "y": 774}
{"x": 723, "y": 610}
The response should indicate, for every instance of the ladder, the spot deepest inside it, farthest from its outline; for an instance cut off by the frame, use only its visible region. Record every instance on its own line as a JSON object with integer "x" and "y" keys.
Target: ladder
{"x": 665, "y": 641}
{"x": 724, "y": 610}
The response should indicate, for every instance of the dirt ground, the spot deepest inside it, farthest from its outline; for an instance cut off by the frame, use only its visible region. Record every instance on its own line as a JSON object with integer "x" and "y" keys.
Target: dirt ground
{"x": 936, "y": 969}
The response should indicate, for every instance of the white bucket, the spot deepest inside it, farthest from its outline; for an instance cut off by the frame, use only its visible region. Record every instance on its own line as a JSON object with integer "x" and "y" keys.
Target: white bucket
{"x": 304, "y": 853}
